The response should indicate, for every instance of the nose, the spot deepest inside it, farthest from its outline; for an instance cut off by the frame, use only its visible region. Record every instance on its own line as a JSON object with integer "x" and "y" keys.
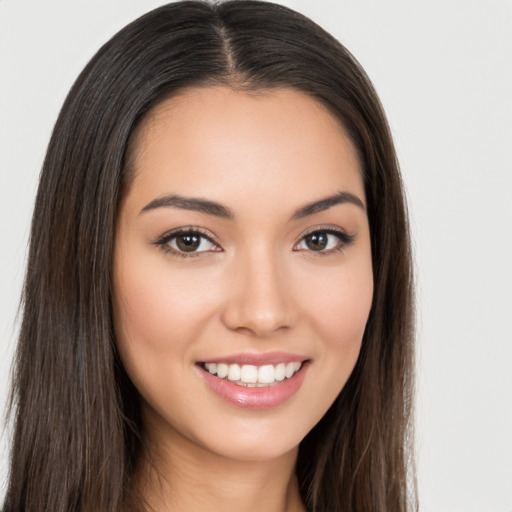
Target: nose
{"x": 259, "y": 299}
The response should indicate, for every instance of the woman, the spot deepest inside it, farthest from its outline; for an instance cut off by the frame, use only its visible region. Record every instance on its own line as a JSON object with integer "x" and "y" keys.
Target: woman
{"x": 218, "y": 301}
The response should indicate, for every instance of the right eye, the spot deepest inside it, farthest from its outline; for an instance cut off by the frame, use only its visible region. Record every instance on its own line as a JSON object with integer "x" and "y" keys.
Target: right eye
{"x": 186, "y": 243}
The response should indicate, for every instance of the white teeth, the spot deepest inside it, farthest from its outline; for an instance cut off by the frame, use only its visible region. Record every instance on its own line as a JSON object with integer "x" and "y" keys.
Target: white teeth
{"x": 249, "y": 373}
{"x": 222, "y": 370}
{"x": 289, "y": 371}
{"x": 280, "y": 371}
{"x": 211, "y": 367}
{"x": 234, "y": 372}
{"x": 254, "y": 376}
{"x": 266, "y": 374}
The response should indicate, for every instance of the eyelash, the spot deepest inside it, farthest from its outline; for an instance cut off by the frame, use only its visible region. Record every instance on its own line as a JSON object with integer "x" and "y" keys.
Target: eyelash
{"x": 164, "y": 240}
{"x": 344, "y": 241}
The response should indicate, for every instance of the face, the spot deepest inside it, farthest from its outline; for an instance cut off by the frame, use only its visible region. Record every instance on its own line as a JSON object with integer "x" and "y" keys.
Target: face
{"x": 242, "y": 270}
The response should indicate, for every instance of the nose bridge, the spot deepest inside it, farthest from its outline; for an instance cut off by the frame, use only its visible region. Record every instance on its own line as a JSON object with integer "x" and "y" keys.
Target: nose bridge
{"x": 259, "y": 300}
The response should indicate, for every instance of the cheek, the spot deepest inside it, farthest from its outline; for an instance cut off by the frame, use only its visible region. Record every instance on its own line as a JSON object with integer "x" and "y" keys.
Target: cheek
{"x": 158, "y": 316}
{"x": 338, "y": 316}
{"x": 158, "y": 307}
{"x": 346, "y": 315}
{"x": 339, "y": 309}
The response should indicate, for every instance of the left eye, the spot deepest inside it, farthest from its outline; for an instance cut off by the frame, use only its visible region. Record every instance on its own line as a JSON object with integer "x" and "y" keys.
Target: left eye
{"x": 323, "y": 241}
{"x": 190, "y": 242}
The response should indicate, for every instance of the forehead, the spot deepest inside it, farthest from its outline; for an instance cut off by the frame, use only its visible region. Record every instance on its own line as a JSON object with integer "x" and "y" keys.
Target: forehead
{"x": 226, "y": 144}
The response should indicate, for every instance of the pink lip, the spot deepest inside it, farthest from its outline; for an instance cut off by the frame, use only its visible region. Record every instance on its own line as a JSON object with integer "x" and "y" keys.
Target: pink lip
{"x": 258, "y": 359}
{"x": 254, "y": 398}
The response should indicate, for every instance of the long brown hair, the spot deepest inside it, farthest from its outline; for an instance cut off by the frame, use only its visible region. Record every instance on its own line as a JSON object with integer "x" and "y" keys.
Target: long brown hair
{"x": 77, "y": 427}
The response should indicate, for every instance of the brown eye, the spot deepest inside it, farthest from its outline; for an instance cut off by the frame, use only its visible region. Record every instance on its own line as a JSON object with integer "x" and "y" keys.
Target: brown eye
{"x": 189, "y": 242}
{"x": 325, "y": 241}
{"x": 317, "y": 241}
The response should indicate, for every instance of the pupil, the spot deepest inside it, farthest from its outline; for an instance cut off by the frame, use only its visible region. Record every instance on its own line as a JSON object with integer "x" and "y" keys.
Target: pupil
{"x": 316, "y": 241}
{"x": 188, "y": 243}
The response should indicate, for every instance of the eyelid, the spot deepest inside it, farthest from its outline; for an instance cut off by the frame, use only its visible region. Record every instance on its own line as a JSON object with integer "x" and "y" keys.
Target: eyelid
{"x": 346, "y": 239}
{"x": 164, "y": 239}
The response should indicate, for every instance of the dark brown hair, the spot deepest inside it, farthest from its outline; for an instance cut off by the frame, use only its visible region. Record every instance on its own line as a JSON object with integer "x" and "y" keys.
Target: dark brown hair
{"x": 75, "y": 412}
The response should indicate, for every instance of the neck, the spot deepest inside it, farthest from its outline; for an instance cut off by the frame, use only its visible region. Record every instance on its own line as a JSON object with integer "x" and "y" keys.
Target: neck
{"x": 180, "y": 475}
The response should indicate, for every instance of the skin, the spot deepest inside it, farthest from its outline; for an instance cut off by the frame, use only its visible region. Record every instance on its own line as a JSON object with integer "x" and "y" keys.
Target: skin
{"x": 257, "y": 288}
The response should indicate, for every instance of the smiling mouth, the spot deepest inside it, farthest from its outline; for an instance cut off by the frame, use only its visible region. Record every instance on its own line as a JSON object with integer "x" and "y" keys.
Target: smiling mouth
{"x": 253, "y": 376}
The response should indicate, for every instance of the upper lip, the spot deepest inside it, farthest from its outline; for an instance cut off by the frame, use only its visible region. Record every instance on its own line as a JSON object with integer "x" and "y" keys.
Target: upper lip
{"x": 258, "y": 359}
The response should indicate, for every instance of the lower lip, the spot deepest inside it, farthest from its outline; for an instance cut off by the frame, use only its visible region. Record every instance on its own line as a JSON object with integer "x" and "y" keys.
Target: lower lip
{"x": 255, "y": 398}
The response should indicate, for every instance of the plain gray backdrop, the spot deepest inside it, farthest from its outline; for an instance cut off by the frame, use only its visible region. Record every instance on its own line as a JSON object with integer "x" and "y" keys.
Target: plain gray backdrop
{"x": 443, "y": 69}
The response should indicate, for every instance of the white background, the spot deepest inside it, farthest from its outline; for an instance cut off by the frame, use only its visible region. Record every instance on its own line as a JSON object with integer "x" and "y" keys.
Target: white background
{"x": 443, "y": 69}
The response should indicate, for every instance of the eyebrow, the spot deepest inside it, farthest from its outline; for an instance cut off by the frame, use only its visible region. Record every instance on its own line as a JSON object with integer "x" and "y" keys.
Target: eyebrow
{"x": 190, "y": 203}
{"x": 218, "y": 210}
{"x": 326, "y": 203}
